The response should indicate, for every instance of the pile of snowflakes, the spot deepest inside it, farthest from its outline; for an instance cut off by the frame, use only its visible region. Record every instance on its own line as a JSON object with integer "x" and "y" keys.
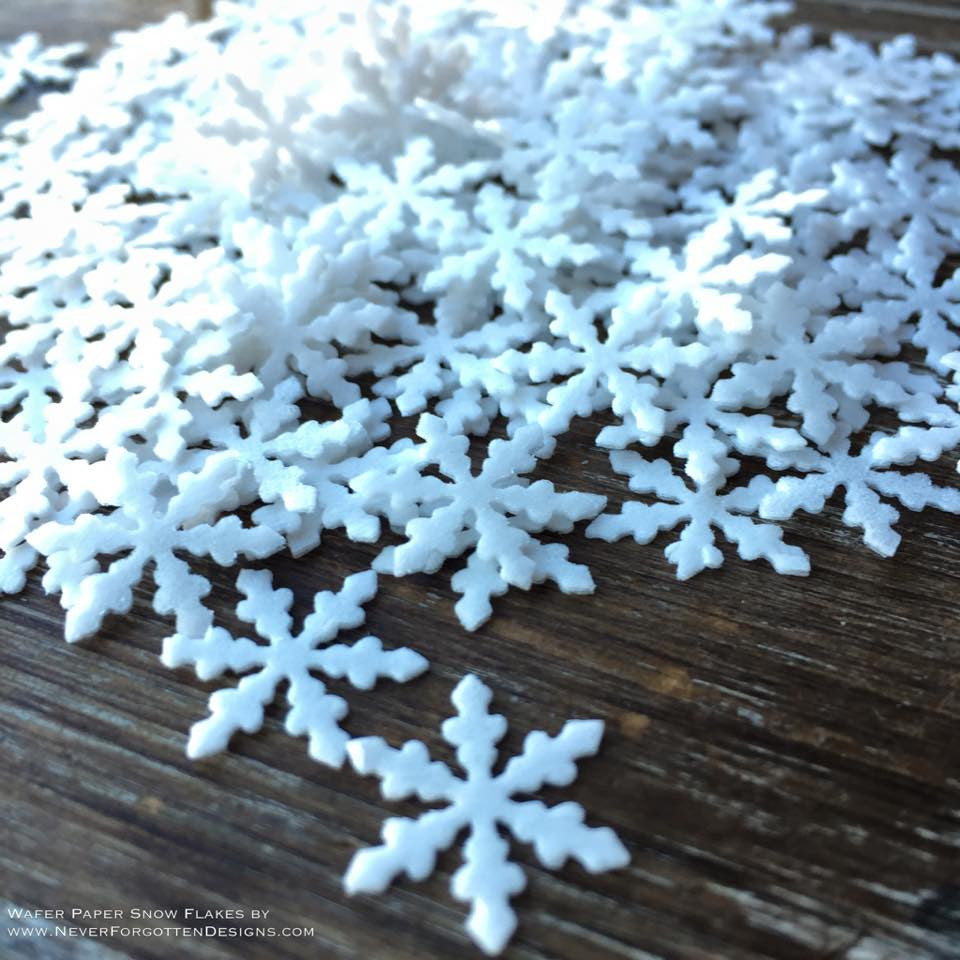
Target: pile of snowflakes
{"x": 234, "y": 254}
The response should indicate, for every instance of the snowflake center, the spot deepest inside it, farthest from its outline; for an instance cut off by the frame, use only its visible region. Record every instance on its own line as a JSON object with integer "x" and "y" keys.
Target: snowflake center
{"x": 605, "y": 357}
{"x": 481, "y": 796}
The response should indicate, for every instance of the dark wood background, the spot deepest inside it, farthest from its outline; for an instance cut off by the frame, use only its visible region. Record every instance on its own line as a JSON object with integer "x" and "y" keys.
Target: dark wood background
{"x": 781, "y": 754}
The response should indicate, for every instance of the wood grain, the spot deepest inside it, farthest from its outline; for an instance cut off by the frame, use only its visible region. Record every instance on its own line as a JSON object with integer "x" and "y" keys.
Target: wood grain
{"x": 781, "y": 754}
{"x": 92, "y": 21}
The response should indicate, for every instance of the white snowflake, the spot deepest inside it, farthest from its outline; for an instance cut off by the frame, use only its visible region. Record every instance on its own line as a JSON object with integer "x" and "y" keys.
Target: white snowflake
{"x": 565, "y": 152}
{"x": 490, "y": 515}
{"x": 708, "y": 434}
{"x": 418, "y": 198}
{"x": 757, "y": 212}
{"x": 293, "y": 660}
{"x": 227, "y": 280}
{"x": 698, "y": 510}
{"x": 803, "y": 356}
{"x": 935, "y": 305}
{"x": 511, "y": 245}
{"x": 448, "y": 348}
{"x": 482, "y": 802}
{"x": 679, "y": 218}
{"x": 864, "y": 477}
{"x": 603, "y": 372}
{"x": 149, "y": 522}
{"x": 277, "y": 452}
{"x": 704, "y": 277}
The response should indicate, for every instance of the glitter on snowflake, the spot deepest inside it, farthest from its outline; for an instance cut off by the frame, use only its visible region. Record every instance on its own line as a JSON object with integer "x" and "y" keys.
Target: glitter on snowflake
{"x": 483, "y": 803}
{"x": 286, "y": 658}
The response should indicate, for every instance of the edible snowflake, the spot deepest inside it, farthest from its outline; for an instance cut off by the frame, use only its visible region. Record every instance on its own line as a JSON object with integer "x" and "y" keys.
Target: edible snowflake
{"x": 291, "y": 659}
{"x": 491, "y": 514}
{"x": 481, "y": 802}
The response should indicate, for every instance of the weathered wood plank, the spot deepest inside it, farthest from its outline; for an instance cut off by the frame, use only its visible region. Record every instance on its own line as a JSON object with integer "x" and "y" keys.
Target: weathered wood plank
{"x": 936, "y": 25}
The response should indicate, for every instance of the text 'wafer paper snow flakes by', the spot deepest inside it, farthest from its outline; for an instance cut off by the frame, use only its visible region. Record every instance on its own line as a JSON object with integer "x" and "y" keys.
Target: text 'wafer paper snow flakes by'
{"x": 481, "y": 802}
{"x": 361, "y": 267}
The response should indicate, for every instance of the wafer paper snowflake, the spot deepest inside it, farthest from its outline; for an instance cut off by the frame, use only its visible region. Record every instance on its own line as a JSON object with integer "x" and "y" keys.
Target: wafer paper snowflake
{"x": 293, "y": 660}
{"x": 637, "y": 225}
{"x": 489, "y": 515}
{"x": 483, "y": 803}
{"x": 864, "y": 476}
{"x": 511, "y": 245}
{"x": 151, "y": 521}
{"x": 596, "y": 369}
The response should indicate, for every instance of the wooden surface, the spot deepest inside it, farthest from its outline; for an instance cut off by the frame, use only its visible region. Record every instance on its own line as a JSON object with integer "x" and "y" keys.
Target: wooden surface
{"x": 92, "y": 21}
{"x": 782, "y": 755}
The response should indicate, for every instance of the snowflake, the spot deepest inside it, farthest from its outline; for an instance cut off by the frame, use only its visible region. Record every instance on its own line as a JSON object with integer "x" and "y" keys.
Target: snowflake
{"x": 301, "y": 298}
{"x": 864, "y": 477}
{"x": 715, "y": 289}
{"x": 757, "y": 212}
{"x": 707, "y": 432}
{"x": 17, "y": 557}
{"x": 237, "y": 255}
{"x": 490, "y": 514}
{"x": 509, "y": 248}
{"x": 288, "y": 659}
{"x": 568, "y": 149}
{"x": 803, "y": 356}
{"x": 269, "y": 124}
{"x": 337, "y": 504}
{"x": 595, "y": 369}
{"x": 419, "y": 198}
{"x": 935, "y": 305}
{"x": 28, "y": 383}
{"x": 43, "y": 453}
{"x": 276, "y": 451}
{"x": 698, "y": 510}
{"x": 908, "y": 204}
{"x": 148, "y": 524}
{"x": 68, "y": 236}
{"x": 452, "y": 348}
{"x": 481, "y": 802}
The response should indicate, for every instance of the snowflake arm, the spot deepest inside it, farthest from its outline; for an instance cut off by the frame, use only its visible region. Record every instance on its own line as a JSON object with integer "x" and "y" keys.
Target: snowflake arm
{"x": 479, "y": 581}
